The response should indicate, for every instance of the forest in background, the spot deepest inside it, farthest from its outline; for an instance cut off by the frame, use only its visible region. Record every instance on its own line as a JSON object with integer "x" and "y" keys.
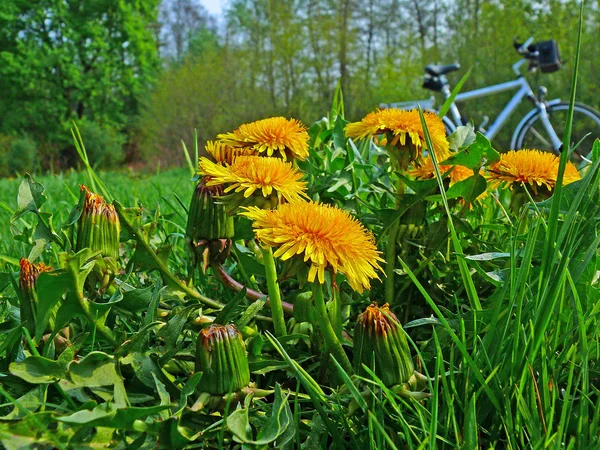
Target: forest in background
{"x": 137, "y": 77}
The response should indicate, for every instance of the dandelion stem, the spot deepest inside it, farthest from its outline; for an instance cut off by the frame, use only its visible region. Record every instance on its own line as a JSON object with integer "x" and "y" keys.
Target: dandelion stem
{"x": 390, "y": 263}
{"x": 251, "y": 294}
{"x": 331, "y": 340}
{"x": 103, "y": 329}
{"x": 390, "y": 253}
{"x": 274, "y": 293}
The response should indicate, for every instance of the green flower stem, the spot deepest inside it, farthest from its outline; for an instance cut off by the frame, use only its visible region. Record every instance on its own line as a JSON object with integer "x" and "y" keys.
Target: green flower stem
{"x": 274, "y": 293}
{"x": 390, "y": 263}
{"x": 331, "y": 340}
{"x": 390, "y": 253}
{"x": 160, "y": 265}
{"x": 335, "y": 312}
{"x": 103, "y": 329}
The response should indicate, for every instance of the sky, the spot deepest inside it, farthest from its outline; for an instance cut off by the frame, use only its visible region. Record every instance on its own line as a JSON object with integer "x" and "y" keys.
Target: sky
{"x": 214, "y": 6}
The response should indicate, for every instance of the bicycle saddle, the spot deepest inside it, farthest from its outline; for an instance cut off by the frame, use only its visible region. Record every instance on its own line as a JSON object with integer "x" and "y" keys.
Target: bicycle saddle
{"x": 436, "y": 70}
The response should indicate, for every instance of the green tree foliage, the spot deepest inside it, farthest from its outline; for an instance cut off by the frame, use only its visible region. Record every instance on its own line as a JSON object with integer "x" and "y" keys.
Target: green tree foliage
{"x": 64, "y": 60}
{"x": 205, "y": 93}
{"x": 70, "y": 60}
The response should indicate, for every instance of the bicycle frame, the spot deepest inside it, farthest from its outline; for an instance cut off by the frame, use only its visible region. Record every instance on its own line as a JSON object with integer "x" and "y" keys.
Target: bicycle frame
{"x": 524, "y": 91}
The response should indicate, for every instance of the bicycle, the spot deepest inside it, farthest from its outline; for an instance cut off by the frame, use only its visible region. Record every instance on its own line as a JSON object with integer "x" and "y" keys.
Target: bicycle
{"x": 541, "y": 128}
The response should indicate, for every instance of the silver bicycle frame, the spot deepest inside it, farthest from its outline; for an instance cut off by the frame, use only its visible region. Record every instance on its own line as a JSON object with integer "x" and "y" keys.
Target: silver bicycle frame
{"x": 524, "y": 91}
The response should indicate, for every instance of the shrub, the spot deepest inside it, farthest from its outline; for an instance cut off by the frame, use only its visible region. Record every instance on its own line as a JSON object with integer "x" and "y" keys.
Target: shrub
{"x": 103, "y": 143}
{"x": 17, "y": 155}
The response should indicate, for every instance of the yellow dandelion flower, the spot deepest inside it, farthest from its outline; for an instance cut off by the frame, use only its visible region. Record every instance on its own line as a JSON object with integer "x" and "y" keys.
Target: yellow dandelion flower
{"x": 531, "y": 167}
{"x": 426, "y": 171}
{"x": 325, "y": 236}
{"x": 271, "y": 177}
{"x": 403, "y": 127}
{"x": 268, "y": 136}
{"x": 224, "y": 154}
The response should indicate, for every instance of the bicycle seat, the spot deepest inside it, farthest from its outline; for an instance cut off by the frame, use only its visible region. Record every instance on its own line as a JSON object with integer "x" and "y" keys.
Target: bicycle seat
{"x": 436, "y": 70}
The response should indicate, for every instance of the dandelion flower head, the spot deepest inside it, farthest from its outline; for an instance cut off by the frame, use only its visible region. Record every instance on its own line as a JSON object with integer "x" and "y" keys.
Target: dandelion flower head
{"x": 326, "y": 237}
{"x": 426, "y": 171}
{"x": 532, "y": 167}
{"x": 275, "y": 136}
{"x": 224, "y": 154}
{"x": 255, "y": 174}
{"x": 403, "y": 127}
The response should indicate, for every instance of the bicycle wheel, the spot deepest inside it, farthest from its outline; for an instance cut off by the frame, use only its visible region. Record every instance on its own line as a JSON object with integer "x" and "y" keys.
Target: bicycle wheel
{"x": 585, "y": 120}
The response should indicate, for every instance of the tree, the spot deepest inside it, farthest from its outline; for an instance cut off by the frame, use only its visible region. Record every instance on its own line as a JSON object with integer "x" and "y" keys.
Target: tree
{"x": 181, "y": 21}
{"x": 65, "y": 60}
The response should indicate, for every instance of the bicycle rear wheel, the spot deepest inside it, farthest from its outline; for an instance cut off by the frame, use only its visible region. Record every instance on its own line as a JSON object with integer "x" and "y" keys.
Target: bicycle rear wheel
{"x": 585, "y": 120}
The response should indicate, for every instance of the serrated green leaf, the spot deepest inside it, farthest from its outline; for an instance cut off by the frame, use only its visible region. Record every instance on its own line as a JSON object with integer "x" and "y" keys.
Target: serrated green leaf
{"x": 462, "y": 137}
{"x": 136, "y": 300}
{"x": 468, "y": 189}
{"x": 488, "y": 256}
{"x": 109, "y": 415}
{"x": 51, "y": 287}
{"x": 76, "y": 211}
{"x": 31, "y": 402}
{"x": 31, "y": 195}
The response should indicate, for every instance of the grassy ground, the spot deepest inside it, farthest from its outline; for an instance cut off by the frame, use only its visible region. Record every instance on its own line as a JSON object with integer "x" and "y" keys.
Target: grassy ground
{"x": 62, "y": 191}
{"x": 507, "y": 332}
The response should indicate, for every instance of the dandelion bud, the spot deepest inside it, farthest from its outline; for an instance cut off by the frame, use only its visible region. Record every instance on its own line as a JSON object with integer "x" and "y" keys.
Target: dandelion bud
{"x": 380, "y": 344}
{"x": 221, "y": 357}
{"x": 209, "y": 229}
{"x": 99, "y": 227}
{"x": 27, "y": 281}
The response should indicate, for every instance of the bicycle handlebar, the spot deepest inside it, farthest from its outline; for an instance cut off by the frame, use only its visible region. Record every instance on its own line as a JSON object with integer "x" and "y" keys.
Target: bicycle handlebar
{"x": 527, "y": 49}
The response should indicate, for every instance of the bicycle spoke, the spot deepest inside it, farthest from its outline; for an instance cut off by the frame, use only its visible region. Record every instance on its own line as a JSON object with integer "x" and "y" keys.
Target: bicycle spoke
{"x": 541, "y": 137}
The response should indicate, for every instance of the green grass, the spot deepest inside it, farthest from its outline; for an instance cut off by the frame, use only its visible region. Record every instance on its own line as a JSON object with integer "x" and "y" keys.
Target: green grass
{"x": 62, "y": 191}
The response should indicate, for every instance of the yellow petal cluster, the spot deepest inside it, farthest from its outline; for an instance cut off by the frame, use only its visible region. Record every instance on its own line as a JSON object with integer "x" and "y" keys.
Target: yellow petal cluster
{"x": 426, "y": 171}
{"x": 249, "y": 174}
{"x": 224, "y": 154}
{"x": 275, "y": 136}
{"x": 328, "y": 238}
{"x": 404, "y": 126}
{"x": 532, "y": 167}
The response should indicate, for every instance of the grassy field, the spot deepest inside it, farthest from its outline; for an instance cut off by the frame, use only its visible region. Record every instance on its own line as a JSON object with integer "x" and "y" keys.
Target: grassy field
{"x": 62, "y": 191}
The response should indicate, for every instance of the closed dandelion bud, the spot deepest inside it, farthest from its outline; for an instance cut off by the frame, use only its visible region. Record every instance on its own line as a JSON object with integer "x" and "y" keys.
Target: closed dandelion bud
{"x": 98, "y": 226}
{"x": 380, "y": 344}
{"x": 209, "y": 229}
{"x": 221, "y": 357}
{"x": 27, "y": 281}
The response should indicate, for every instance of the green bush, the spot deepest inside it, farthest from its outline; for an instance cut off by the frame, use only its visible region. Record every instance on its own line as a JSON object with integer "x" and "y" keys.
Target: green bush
{"x": 5, "y": 142}
{"x": 17, "y": 155}
{"x": 103, "y": 143}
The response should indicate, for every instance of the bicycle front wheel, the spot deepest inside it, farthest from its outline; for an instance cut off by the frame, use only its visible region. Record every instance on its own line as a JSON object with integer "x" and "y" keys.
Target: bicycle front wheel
{"x": 586, "y": 121}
